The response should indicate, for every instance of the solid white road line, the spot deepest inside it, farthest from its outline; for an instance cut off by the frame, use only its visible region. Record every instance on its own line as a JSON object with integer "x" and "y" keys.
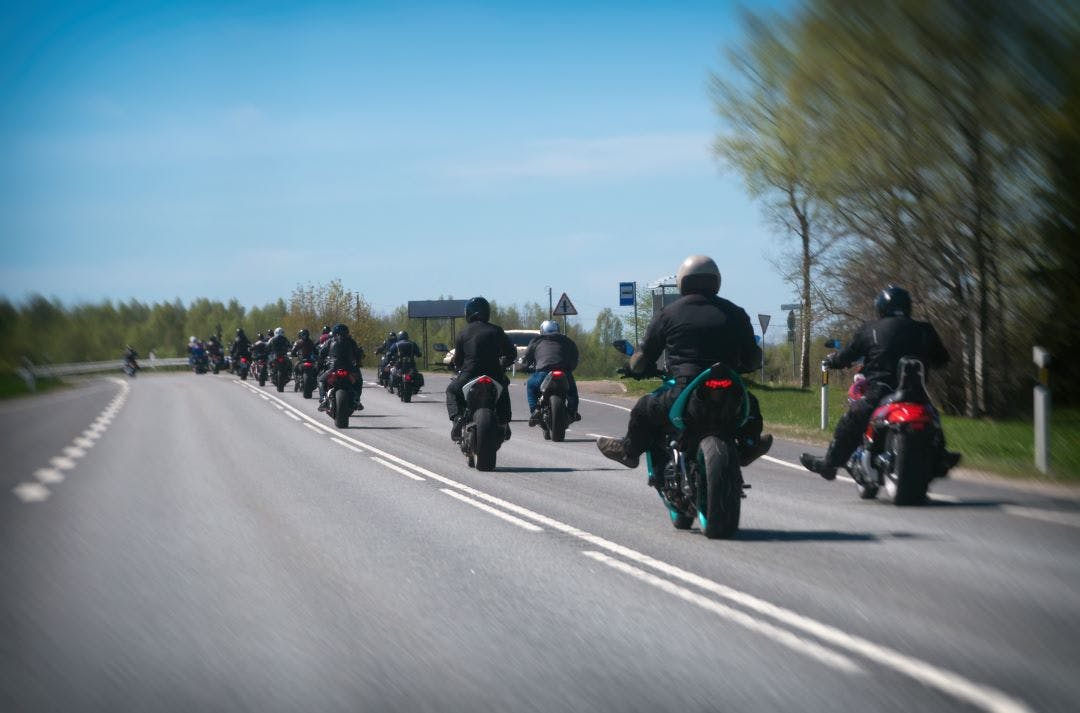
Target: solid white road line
{"x": 927, "y": 674}
{"x": 781, "y": 636}
{"x": 393, "y": 467}
{"x": 804, "y": 471}
{"x": 1057, "y": 517}
{"x": 492, "y": 511}
{"x": 599, "y": 435}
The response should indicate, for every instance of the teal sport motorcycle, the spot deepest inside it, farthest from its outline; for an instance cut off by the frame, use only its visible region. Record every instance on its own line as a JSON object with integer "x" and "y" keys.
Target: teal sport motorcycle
{"x": 695, "y": 466}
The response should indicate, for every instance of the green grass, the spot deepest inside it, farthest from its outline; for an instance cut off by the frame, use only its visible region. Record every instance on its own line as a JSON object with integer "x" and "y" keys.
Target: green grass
{"x": 12, "y": 385}
{"x": 1002, "y": 446}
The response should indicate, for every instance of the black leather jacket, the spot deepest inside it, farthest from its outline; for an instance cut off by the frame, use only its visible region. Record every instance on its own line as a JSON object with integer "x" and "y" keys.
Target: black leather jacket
{"x": 698, "y": 331}
{"x": 882, "y": 343}
{"x": 551, "y": 351}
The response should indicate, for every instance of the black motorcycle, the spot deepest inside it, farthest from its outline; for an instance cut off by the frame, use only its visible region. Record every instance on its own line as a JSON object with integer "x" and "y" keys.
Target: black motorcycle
{"x": 280, "y": 368}
{"x": 241, "y": 367}
{"x": 482, "y": 434}
{"x": 554, "y": 416}
{"x": 700, "y": 476}
{"x": 217, "y": 360}
{"x": 342, "y": 396}
{"x": 130, "y": 366}
{"x": 304, "y": 376}
{"x": 405, "y": 379}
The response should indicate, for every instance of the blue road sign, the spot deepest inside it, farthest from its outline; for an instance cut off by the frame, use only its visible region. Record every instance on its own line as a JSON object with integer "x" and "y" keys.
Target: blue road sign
{"x": 627, "y": 291}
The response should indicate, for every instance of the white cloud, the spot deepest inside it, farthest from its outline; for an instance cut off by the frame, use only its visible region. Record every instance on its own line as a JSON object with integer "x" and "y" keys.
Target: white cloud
{"x": 607, "y": 156}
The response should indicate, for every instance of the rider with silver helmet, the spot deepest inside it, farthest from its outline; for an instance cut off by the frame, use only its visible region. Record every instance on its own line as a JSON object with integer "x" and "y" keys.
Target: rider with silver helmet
{"x": 481, "y": 348}
{"x": 880, "y": 344}
{"x": 547, "y": 352}
{"x": 695, "y": 331}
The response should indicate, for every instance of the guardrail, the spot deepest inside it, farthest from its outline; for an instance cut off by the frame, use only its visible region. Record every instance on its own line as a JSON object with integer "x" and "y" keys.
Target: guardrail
{"x": 30, "y": 373}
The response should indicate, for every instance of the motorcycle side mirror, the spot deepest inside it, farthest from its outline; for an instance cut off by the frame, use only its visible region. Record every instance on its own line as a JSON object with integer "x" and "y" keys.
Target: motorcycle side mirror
{"x": 440, "y": 347}
{"x": 833, "y": 344}
{"x": 623, "y": 347}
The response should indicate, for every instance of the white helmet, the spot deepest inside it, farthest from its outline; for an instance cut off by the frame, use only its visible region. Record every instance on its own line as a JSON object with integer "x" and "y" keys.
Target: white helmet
{"x": 698, "y": 273}
{"x": 279, "y": 332}
{"x": 191, "y": 339}
{"x": 549, "y": 327}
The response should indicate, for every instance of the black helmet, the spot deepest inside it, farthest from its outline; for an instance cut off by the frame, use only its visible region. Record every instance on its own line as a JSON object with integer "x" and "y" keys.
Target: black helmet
{"x": 303, "y": 334}
{"x": 402, "y": 335}
{"x": 260, "y": 335}
{"x": 698, "y": 274}
{"x": 392, "y": 335}
{"x": 326, "y": 329}
{"x": 240, "y": 332}
{"x": 477, "y": 309}
{"x": 893, "y": 302}
{"x": 340, "y": 328}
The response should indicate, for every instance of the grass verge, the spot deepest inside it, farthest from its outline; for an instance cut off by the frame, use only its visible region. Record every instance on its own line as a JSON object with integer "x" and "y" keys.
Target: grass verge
{"x": 12, "y": 385}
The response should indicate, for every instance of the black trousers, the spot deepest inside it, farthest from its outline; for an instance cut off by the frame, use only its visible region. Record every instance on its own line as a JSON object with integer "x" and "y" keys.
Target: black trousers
{"x": 455, "y": 397}
{"x": 649, "y": 419}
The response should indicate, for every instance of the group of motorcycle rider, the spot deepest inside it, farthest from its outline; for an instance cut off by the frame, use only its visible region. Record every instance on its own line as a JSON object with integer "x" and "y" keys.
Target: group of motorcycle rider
{"x": 696, "y": 331}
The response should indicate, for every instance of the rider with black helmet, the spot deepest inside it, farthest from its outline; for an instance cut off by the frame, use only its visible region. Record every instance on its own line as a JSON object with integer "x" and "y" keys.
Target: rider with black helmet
{"x": 241, "y": 346}
{"x": 403, "y": 354}
{"x": 303, "y": 349}
{"x": 340, "y": 352}
{"x": 695, "y": 331}
{"x": 880, "y": 344}
{"x": 325, "y": 334}
{"x": 481, "y": 348}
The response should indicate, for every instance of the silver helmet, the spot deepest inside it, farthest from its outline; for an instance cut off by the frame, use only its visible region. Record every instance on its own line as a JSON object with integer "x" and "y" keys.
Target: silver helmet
{"x": 698, "y": 274}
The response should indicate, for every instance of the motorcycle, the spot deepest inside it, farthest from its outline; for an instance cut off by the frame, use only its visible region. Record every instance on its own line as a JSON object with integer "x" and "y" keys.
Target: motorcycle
{"x": 241, "y": 366}
{"x": 382, "y": 374}
{"x": 304, "y": 376}
{"x": 482, "y": 434}
{"x": 217, "y": 361}
{"x": 554, "y": 416}
{"x": 280, "y": 367}
{"x": 406, "y": 380}
{"x": 130, "y": 366}
{"x": 902, "y": 447}
{"x": 342, "y": 396}
{"x": 701, "y": 478}
{"x": 258, "y": 369}
{"x": 199, "y": 362}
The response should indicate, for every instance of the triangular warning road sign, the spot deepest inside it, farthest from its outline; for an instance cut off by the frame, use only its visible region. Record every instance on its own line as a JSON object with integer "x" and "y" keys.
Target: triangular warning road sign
{"x": 564, "y": 306}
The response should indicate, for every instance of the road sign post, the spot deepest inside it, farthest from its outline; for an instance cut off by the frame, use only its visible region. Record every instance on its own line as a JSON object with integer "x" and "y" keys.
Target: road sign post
{"x": 1041, "y": 357}
{"x": 627, "y": 297}
{"x": 763, "y": 320}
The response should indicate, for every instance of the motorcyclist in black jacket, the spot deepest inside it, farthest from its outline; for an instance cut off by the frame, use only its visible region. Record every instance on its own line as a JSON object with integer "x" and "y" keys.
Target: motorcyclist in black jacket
{"x": 403, "y": 354}
{"x": 279, "y": 346}
{"x": 547, "y": 352}
{"x": 340, "y": 352}
{"x": 696, "y": 331}
{"x": 481, "y": 348}
{"x": 880, "y": 344}
{"x": 303, "y": 349}
{"x": 241, "y": 346}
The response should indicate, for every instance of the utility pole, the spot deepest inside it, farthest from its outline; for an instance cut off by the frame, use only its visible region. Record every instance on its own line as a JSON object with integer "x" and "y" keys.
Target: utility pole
{"x": 551, "y": 307}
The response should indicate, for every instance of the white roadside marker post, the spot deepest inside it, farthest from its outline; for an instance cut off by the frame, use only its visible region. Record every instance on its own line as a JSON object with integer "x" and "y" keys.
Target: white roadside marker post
{"x": 1041, "y": 357}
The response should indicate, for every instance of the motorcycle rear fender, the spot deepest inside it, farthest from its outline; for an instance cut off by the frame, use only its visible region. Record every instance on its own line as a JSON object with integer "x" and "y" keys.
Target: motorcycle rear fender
{"x": 472, "y": 384}
{"x": 720, "y": 370}
{"x": 557, "y": 384}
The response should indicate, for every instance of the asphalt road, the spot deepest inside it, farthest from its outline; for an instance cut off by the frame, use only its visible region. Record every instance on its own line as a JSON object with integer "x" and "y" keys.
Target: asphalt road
{"x": 191, "y": 543}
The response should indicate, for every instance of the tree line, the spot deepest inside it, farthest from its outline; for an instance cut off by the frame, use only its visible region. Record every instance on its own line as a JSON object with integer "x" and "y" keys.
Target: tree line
{"x": 933, "y": 145}
{"x": 46, "y": 331}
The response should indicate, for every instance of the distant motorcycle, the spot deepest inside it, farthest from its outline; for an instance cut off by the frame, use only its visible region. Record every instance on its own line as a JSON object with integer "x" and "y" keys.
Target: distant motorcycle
{"x": 259, "y": 369}
{"x": 199, "y": 362}
{"x": 902, "y": 447}
{"x": 342, "y": 395}
{"x": 405, "y": 379}
{"x": 130, "y": 366}
{"x": 217, "y": 360}
{"x": 304, "y": 377}
{"x": 701, "y": 478}
{"x": 554, "y": 416}
{"x": 241, "y": 365}
{"x": 280, "y": 367}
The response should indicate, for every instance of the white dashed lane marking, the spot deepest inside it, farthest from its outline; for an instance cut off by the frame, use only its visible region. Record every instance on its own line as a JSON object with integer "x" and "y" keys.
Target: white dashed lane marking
{"x": 36, "y": 492}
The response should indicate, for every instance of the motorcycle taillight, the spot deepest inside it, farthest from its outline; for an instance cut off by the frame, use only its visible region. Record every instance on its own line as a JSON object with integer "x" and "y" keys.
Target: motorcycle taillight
{"x": 243, "y": 360}
{"x": 484, "y": 380}
{"x": 308, "y": 363}
{"x": 557, "y": 374}
{"x": 408, "y": 377}
{"x": 341, "y": 373}
{"x": 718, "y": 383}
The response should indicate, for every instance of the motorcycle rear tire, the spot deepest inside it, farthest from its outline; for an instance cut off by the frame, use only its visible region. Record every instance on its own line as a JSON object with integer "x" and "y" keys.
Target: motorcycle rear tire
{"x": 243, "y": 376}
{"x": 488, "y": 435}
{"x": 342, "y": 408}
{"x": 280, "y": 384}
{"x": 559, "y": 418}
{"x": 309, "y": 385}
{"x": 723, "y": 488}
{"x": 262, "y": 378}
{"x": 912, "y": 466}
{"x": 406, "y": 393}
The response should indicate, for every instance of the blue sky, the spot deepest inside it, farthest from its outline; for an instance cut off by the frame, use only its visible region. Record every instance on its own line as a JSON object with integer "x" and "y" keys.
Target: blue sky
{"x": 159, "y": 150}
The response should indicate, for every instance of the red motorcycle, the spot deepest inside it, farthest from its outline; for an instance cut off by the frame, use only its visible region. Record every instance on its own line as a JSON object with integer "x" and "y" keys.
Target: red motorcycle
{"x": 342, "y": 396}
{"x": 903, "y": 447}
{"x": 304, "y": 378}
